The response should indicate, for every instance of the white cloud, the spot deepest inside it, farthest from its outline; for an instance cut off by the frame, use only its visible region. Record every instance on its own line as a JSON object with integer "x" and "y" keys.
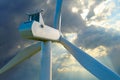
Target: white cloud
{"x": 68, "y": 64}
{"x": 99, "y": 51}
{"x": 71, "y": 36}
{"x": 84, "y": 13}
{"x": 102, "y": 13}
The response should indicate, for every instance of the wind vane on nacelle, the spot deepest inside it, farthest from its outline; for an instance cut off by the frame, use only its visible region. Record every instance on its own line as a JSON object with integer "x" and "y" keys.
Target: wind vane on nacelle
{"x": 32, "y": 29}
{"x": 34, "y": 15}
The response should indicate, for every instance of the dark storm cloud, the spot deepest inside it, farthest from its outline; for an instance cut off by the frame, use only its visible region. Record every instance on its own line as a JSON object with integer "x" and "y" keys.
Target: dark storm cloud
{"x": 29, "y": 70}
{"x": 93, "y": 37}
{"x": 11, "y": 15}
{"x": 71, "y": 22}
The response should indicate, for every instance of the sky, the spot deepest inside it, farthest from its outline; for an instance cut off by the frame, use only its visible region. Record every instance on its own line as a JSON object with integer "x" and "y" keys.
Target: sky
{"x": 91, "y": 25}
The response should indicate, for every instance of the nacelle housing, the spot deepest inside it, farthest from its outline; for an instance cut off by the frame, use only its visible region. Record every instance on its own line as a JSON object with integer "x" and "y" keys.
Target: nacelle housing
{"x": 37, "y": 31}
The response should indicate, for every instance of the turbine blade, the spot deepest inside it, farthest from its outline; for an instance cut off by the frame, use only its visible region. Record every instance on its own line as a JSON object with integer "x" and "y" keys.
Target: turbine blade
{"x": 60, "y": 22}
{"x": 88, "y": 62}
{"x": 21, "y": 56}
{"x": 57, "y": 20}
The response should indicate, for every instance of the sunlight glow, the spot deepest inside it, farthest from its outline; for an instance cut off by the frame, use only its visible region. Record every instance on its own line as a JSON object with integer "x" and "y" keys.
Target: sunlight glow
{"x": 85, "y": 13}
{"x": 97, "y": 52}
{"x": 74, "y": 9}
{"x": 71, "y": 36}
{"x": 48, "y": 1}
{"x": 18, "y": 46}
{"x": 99, "y": 9}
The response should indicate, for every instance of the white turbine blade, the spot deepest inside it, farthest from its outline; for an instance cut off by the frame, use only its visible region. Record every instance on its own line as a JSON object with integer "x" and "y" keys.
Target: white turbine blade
{"x": 57, "y": 20}
{"x": 21, "y": 56}
{"x": 46, "y": 62}
{"x": 60, "y": 22}
{"x": 88, "y": 62}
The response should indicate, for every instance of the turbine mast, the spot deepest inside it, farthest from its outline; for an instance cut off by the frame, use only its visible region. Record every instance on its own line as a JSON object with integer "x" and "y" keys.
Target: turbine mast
{"x": 46, "y": 61}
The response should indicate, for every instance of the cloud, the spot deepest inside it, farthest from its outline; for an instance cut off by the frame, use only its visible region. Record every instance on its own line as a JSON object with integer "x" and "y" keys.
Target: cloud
{"x": 95, "y": 39}
{"x": 102, "y": 29}
{"x": 90, "y": 5}
{"x": 95, "y": 36}
{"x": 28, "y": 70}
{"x": 102, "y": 13}
{"x": 68, "y": 68}
{"x": 71, "y": 22}
{"x": 99, "y": 51}
{"x": 65, "y": 66}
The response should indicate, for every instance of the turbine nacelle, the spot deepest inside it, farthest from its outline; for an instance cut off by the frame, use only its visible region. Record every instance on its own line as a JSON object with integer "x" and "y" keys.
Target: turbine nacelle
{"x": 38, "y": 31}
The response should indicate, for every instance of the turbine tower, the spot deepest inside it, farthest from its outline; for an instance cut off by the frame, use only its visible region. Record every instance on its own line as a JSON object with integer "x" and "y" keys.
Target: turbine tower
{"x": 36, "y": 29}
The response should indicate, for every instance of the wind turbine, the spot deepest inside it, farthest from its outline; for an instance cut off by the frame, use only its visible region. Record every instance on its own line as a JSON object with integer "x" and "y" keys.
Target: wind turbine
{"x": 36, "y": 29}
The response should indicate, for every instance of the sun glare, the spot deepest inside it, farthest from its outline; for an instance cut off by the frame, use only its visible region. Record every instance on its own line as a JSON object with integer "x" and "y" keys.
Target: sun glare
{"x": 71, "y": 36}
{"x": 74, "y": 9}
{"x": 84, "y": 14}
